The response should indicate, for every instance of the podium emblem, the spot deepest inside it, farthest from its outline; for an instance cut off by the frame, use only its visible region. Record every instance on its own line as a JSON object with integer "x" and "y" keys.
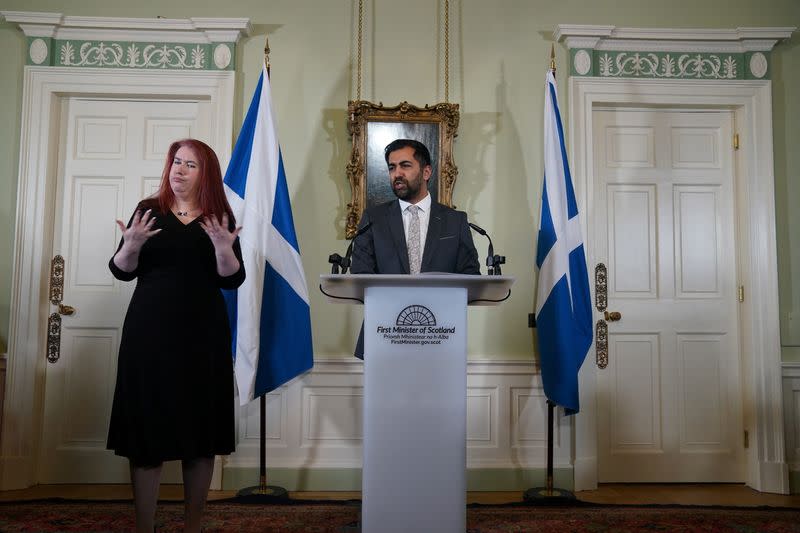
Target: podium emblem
{"x": 416, "y": 315}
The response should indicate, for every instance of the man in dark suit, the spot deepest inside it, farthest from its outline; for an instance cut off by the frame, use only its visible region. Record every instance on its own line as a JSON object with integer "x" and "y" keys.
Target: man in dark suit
{"x": 412, "y": 234}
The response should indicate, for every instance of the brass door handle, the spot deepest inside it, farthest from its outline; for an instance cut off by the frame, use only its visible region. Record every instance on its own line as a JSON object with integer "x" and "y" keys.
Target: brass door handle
{"x": 67, "y": 310}
{"x": 613, "y": 316}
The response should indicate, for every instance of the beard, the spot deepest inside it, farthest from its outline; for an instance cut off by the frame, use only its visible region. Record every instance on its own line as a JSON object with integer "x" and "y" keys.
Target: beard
{"x": 411, "y": 187}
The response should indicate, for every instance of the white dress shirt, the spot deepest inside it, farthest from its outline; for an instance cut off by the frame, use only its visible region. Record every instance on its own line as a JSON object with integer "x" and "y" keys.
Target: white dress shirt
{"x": 424, "y": 215}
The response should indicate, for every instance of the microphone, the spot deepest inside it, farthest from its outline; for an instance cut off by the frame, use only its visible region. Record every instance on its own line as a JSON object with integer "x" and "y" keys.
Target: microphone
{"x": 493, "y": 261}
{"x": 349, "y": 252}
{"x": 338, "y": 262}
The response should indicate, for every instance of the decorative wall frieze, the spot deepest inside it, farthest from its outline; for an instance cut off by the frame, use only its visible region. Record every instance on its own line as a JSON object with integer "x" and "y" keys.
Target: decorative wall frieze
{"x": 676, "y": 65}
{"x": 665, "y": 53}
{"x": 132, "y": 55}
{"x": 137, "y": 43}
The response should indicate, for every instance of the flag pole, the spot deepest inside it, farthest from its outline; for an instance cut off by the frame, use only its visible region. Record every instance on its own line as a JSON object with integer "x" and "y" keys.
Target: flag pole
{"x": 548, "y": 495}
{"x": 263, "y": 493}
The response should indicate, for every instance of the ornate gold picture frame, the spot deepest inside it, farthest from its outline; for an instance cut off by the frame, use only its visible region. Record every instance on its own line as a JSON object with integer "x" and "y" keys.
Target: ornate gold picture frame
{"x": 373, "y": 126}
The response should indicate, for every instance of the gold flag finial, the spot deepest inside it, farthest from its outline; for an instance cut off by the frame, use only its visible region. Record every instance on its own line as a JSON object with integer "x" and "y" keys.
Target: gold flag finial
{"x": 553, "y": 58}
{"x": 266, "y": 53}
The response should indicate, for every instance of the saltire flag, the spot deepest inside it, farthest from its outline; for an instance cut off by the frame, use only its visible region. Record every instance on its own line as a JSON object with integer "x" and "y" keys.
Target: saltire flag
{"x": 269, "y": 314}
{"x": 563, "y": 303}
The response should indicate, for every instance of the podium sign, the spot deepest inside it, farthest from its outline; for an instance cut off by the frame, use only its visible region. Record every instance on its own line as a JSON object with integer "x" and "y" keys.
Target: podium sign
{"x": 415, "y": 411}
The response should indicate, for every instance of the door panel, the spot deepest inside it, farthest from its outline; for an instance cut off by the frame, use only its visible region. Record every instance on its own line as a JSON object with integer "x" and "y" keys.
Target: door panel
{"x": 636, "y": 413}
{"x": 632, "y": 241}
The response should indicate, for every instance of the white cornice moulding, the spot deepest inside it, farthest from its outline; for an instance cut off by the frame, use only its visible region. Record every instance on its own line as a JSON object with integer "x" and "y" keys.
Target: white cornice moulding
{"x": 581, "y": 42}
{"x": 670, "y": 39}
{"x": 33, "y": 17}
{"x": 582, "y": 30}
{"x": 192, "y": 30}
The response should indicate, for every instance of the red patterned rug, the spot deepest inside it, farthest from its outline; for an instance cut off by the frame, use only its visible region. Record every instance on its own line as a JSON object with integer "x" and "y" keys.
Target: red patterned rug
{"x": 342, "y": 517}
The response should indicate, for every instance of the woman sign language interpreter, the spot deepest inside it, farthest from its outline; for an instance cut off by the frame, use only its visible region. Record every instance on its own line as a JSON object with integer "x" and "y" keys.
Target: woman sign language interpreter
{"x": 174, "y": 397}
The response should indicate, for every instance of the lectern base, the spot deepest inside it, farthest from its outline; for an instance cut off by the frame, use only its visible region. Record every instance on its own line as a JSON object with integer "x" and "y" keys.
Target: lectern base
{"x": 263, "y": 494}
{"x": 545, "y": 496}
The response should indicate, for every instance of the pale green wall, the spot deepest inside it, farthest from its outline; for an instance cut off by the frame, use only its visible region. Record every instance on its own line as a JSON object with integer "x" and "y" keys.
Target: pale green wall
{"x": 498, "y": 58}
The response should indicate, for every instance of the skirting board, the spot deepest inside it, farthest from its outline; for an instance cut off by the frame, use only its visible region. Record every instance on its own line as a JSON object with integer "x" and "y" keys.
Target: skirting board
{"x": 349, "y": 479}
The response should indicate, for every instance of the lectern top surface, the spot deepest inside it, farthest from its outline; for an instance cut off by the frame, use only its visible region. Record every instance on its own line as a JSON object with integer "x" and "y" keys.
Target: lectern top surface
{"x": 481, "y": 290}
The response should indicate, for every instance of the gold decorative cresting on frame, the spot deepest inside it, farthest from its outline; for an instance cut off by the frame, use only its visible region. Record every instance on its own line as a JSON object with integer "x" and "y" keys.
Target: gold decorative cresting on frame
{"x": 361, "y": 112}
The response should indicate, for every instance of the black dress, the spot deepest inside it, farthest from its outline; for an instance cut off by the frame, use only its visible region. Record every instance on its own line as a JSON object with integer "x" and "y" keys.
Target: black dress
{"x": 174, "y": 395}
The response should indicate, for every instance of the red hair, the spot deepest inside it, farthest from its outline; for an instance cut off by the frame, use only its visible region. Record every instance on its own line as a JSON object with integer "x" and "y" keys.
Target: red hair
{"x": 211, "y": 193}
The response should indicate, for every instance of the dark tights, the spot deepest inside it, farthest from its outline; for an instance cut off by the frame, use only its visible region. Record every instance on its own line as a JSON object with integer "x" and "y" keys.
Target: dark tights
{"x": 196, "y": 481}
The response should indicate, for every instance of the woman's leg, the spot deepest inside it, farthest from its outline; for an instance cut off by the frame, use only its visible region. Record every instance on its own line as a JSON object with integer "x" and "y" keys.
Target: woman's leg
{"x": 145, "y": 480}
{"x": 196, "y": 480}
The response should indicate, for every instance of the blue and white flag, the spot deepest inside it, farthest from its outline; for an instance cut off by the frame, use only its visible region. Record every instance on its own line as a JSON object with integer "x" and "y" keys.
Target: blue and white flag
{"x": 269, "y": 314}
{"x": 563, "y": 303}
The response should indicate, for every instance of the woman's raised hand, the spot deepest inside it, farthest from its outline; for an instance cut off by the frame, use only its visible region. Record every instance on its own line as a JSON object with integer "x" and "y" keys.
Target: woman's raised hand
{"x": 140, "y": 230}
{"x": 221, "y": 237}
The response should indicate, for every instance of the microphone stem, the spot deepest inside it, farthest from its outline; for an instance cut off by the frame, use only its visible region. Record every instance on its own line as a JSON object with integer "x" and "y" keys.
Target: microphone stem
{"x": 346, "y": 260}
{"x": 490, "y": 258}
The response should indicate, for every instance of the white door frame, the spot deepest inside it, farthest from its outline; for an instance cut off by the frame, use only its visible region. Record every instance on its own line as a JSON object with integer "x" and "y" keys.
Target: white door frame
{"x": 751, "y": 102}
{"x": 44, "y": 88}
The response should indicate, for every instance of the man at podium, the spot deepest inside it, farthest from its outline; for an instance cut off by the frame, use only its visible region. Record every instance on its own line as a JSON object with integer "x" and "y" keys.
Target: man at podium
{"x": 412, "y": 234}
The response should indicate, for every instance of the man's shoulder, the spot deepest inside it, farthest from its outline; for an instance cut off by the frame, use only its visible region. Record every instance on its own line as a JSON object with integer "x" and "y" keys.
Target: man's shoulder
{"x": 446, "y": 210}
{"x": 380, "y": 208}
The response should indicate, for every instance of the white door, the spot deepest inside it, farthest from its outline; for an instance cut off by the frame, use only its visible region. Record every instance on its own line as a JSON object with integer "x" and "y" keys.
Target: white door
{"x": 669, "y": 402}
{"x": 111, "y": 155}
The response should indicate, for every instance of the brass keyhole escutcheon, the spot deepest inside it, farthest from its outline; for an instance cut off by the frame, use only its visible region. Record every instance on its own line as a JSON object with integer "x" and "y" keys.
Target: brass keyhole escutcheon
{"x": 54, "y": 320}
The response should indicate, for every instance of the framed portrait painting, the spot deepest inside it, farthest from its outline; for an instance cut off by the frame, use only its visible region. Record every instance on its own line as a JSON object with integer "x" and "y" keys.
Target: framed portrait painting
{"x": 373, "y": 126}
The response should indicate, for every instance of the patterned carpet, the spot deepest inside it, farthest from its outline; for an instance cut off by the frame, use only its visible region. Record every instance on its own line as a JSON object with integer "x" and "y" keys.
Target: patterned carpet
{"x": 342, "y": 517}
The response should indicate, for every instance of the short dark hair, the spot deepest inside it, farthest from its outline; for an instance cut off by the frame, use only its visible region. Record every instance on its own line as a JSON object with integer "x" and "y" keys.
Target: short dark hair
{"x": 421, "y": 153}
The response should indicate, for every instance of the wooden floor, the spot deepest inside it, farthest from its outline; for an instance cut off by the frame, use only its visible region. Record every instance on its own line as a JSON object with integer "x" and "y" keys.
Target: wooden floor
{"x": 689, "y": 494}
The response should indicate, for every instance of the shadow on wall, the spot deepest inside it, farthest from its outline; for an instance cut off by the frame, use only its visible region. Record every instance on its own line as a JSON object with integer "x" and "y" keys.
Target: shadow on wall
{"x": 316, "y": 210}
{"x": 334, "y": 126}
{"x": 493, "y": 163}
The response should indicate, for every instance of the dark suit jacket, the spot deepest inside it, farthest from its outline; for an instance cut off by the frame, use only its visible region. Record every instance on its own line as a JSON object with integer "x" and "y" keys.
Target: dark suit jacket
{"x": 381, "y": 249}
